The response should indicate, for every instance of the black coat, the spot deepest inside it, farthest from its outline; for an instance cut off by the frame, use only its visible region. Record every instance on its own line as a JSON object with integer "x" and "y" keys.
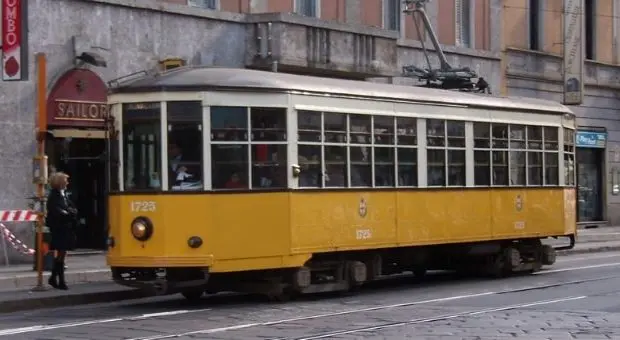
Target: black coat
{"x": 61, "y": 218}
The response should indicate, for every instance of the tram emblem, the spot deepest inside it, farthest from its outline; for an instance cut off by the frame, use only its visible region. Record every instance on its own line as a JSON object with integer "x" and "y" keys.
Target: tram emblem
{"x": 363, "y": 208}
{"x": 518, "y": 203}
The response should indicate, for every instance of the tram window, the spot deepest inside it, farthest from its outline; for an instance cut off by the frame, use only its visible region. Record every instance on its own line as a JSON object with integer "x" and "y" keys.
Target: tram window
{"x": 517, "y": 137}
{"x": 407, "y": 167}
{"x": 534, "y": 165}
{"x": 269, "y": 166}
{"x": 499, "y": 165}
{"x": 569, "y": 157}
{"x": 456, "y": 167}
{"x": 268, "y": 124}
{"x": 310, "y": 165}
{"x": 435, "y": 133}
{"x": 436, "y": 164}
{"x": 456, "y": 134}
{"x": 407, "y": 131}
{"x": 383, "y": 130}
{"x": 500, "y": 136}
{"x": 384, "y": 166}
{"x": 361, "y": 166}
{"x": 482, "y": 167}
{"x": 142, "y": 146}
{"x": 229, "y": 166}
{"x": 517, "y": 167}
{"x": 534, "y": 138}
{"x": 229, "y": 124}
{"x": 309, "y": 126}
{"x": 551, "y": 162}
{"x": 185, "y": 145}
{"x": 551, "y": 168}
{"x": 335, "y": 166}
{"x": 335, "y": 127}
{"x": 359, "y": 126}
{"x": 482, "y": 138}
{"x": 551, "y": 138}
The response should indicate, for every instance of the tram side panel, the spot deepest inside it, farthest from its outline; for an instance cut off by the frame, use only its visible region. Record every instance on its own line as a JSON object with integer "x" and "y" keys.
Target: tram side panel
{"x": 238, "y": 231}
{"x": 340, "y": 221}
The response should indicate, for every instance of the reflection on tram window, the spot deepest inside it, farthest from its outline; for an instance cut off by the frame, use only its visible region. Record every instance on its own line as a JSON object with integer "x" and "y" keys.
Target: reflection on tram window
{"x": 336, "y": 166}
{"x": 185, "y": 145}
{"x": 384, "y": 167}
{"x": 229, "y": 166}
{"x": 268, "y": 124}
{"x": 268, "y": 166}
{"x": 310, "y": 165}
{"x": 142, "y": 146}
{"x": 229, "y": 124}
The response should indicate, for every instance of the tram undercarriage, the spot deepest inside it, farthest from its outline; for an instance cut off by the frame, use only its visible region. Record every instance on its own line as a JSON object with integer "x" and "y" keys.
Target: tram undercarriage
{"x": 346, "y": 271}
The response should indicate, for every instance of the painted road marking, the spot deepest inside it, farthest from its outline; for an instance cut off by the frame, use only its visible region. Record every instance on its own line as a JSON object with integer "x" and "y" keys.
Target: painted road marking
{"x": 614, "y": 264}
{"x": 40, "y": 328}
{"x": 442, "y": 317}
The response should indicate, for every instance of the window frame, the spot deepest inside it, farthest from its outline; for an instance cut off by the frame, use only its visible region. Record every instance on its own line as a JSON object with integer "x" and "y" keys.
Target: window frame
{"x": 317, "y": 8}
{"x": 458, "y": 24}
{"x": 399, "y": 17}
{"x": 194, "y": 3}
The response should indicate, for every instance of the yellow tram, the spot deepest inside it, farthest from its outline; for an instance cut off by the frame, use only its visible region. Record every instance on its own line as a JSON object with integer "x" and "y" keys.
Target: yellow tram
{"x": 245, "y": 180}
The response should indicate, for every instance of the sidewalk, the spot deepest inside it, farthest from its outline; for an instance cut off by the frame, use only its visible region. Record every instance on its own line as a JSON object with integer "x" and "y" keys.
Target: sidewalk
{"x": 90, "y": 281}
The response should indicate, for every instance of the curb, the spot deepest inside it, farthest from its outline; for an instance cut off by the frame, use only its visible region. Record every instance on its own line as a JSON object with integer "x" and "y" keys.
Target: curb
{"x": 70, "y": 300}
{"x": 27, "y": 281}
{"x": 588, "y": 250}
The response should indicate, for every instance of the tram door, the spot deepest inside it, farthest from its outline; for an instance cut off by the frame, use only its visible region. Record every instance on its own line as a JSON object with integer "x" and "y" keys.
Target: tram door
{"x": 83, "y": 159}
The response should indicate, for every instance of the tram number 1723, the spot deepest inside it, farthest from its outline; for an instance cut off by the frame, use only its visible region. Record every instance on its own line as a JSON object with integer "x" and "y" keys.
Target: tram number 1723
{"x": 143, "y": 206}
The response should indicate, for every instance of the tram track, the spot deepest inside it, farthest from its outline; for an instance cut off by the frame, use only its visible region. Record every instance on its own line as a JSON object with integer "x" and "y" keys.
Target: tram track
{"x": 379, "y": 326}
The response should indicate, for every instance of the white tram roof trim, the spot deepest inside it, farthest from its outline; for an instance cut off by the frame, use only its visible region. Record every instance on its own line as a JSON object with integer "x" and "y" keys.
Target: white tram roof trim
{"x": 209, "y": 77}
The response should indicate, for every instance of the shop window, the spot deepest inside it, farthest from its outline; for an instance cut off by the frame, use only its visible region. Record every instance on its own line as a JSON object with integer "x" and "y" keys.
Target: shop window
{"x": 407, "y": 153}
{"x": 142, "y": 146}
{"x": 185, "y": 145}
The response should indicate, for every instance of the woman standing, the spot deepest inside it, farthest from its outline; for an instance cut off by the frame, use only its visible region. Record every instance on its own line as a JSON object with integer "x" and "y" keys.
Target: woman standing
{"x": 61, "y": 215}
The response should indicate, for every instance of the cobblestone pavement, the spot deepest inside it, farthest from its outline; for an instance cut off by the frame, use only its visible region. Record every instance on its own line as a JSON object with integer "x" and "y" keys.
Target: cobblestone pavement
{"x": 578, "y": 298}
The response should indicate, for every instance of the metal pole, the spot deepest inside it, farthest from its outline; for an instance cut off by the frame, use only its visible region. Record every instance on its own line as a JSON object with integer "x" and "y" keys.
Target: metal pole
{"x": 41, "y": 133}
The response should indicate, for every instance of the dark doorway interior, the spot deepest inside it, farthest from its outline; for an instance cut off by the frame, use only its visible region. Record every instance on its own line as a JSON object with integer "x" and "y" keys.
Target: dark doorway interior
{"x": 589, "y": 184}
{"x": 83, "y": 160}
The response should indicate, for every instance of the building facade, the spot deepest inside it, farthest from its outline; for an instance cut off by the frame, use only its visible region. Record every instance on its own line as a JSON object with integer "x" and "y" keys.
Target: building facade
{"x": 354, "y": 39}
{"x": 533, "y": 58}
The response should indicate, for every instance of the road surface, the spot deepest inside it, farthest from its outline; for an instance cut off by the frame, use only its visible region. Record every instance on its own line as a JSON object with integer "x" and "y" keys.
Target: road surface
{"x": 578, "y": 298}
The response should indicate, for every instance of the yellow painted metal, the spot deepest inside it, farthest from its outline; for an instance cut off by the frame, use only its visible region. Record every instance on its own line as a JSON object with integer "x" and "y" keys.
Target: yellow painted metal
{"x": 252, "y": 231}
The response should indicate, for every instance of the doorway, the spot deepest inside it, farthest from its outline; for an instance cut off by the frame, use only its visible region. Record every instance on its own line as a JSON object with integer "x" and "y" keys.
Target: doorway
{"x": 83, "y": 159}
{"x": 589, "y": 184}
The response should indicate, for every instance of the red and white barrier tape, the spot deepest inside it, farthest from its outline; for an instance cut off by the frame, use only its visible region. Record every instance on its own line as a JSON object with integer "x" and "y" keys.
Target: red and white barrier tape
{"x": 17, "y": 216}
{"x": 15, "y": 242}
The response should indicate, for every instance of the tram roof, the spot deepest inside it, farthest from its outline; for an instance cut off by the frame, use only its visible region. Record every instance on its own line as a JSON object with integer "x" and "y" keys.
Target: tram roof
{"x": 210, "y": 78}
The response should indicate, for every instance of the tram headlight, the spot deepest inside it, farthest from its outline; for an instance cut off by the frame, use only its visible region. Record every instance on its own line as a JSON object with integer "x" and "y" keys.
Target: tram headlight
{"x": 141, "y": 228}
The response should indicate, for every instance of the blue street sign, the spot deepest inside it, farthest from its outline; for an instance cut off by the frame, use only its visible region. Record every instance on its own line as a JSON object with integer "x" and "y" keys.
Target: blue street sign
{"x": 588, "y": 139}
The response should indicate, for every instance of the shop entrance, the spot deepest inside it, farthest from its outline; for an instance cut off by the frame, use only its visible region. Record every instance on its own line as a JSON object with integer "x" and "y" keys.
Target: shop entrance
{"x": 83, "y": 159}
{"x": 589, "y": 184}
